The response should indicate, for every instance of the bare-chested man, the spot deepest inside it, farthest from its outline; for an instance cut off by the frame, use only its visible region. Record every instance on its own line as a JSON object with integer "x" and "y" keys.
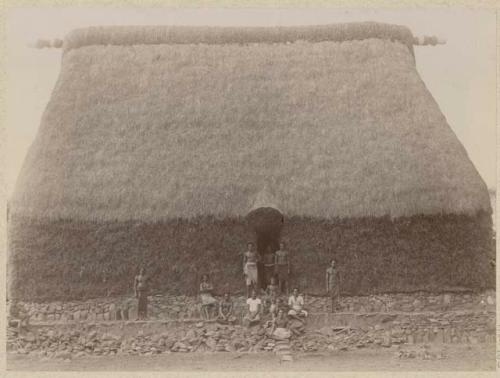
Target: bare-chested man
{"x": 141, "y": 292}
{"x": 332, "y": 284}
{"x": 269, "y": 270}
{"x": 250, "y": 259}
{"x": 282, "y": 266}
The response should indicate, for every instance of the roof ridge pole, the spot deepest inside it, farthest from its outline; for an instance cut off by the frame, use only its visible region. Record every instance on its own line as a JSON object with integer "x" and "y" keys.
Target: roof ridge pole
{"x": 426, "y": 40}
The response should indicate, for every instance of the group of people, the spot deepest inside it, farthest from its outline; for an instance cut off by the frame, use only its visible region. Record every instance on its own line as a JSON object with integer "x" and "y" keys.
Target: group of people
{"x": 282, "y": 316}
{"x": 283, "y": 319}
{"x": 277, "y": 271}
{"x": 276, "y": 267}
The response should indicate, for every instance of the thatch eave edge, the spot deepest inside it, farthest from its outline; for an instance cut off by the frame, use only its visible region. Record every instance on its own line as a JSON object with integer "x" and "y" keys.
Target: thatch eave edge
{"x": 240, "y": 218}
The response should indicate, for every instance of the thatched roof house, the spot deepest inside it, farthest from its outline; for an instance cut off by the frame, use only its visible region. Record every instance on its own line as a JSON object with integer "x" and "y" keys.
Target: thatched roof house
{"x": 159, "y": 141}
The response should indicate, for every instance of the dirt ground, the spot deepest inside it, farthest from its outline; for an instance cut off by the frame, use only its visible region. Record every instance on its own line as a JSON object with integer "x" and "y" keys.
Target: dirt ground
{"x": 459, "y": 358}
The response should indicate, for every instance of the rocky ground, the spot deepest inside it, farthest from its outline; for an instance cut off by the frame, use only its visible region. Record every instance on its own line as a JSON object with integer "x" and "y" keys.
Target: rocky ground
{"x": 199, "y": 337}
{"x": 397, "y": 358}
{"x": 150, "y": 338}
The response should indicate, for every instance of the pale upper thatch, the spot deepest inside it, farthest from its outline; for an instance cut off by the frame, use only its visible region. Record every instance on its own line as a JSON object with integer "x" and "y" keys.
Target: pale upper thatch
{"x": 155, "y": 35}
{"x": 138, "y": 129}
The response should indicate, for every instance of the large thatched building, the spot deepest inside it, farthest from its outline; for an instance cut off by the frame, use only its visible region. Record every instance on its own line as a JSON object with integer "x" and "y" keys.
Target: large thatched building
{"x": 171, "y": 147}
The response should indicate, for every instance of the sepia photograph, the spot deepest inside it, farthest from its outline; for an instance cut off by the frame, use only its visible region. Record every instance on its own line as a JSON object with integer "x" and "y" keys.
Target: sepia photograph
{"x": 251, "y": 190}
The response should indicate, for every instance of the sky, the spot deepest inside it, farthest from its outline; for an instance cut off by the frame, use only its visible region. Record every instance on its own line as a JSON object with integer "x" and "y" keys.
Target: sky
{"x": 461, "y": 75}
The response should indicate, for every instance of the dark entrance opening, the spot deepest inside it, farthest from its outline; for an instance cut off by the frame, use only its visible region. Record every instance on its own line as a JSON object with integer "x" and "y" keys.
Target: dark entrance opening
{"x": 267, "y": 223}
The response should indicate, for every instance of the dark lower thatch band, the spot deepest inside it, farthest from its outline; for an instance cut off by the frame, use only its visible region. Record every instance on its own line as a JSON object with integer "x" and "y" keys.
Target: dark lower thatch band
{"x": 68, "y": 260}
{"x": 153, "y": 35}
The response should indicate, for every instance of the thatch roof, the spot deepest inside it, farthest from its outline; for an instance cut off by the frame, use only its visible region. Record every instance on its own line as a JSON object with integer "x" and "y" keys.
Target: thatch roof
{"x": 157, "y": 35}
{"x": 168, "y": 122}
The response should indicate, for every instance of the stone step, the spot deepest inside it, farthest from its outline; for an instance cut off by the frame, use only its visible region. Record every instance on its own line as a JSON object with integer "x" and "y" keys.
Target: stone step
{"x": 313, "y": 318}
{"x": 384, "y": 327}
{"x": 403, "y": 327}
{"x": 435, "y": 319}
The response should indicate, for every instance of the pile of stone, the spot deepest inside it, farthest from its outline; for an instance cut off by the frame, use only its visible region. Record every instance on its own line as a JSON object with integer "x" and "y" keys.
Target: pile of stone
{"x": 283, "y": 350}
{"x": 343, "y": 338}
{"x": 199, "y": 338}
{"x": 71, "y": 341}
{"x": 51, "y": 343}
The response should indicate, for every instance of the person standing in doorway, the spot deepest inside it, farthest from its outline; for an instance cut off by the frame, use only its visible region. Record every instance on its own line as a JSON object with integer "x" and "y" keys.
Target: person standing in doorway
{"x": 282, "y": 268}
{"x": 269, "y": 270}
{"x": 332, "y": 285}
{"x": 250, "y": 259}
{"x": 141, "y": 292}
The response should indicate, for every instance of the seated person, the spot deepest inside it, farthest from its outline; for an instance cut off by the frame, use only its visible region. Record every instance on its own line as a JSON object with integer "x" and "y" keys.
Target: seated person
{"x": 296, "y": 326}
{"x": 226, "y": 310}
{"x": 254, "y": 310}
{"x": 279, "y": 329}
{"x": 208, "y": 302}
{"x": 296, "y": 304}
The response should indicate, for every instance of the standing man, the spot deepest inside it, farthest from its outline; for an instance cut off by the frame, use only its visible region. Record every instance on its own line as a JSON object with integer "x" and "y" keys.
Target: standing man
{"x": 269, "y": 270}
{"x": 332, "y": 285}
{"x": 141, "y": 292}
{"x": 282, "y": 267}
{"x": 250, "y": 259}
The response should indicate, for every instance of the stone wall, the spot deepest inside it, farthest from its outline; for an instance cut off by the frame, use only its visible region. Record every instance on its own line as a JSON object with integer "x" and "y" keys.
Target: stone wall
{"x": 169, "y": 307}
{"x": 72, "y": 329}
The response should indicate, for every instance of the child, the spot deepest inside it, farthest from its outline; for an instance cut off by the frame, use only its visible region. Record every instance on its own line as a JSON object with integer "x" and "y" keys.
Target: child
{"x": 273, "y": 312}
{"x": 273, "y": 308}
{"x": 271, "y": 292}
